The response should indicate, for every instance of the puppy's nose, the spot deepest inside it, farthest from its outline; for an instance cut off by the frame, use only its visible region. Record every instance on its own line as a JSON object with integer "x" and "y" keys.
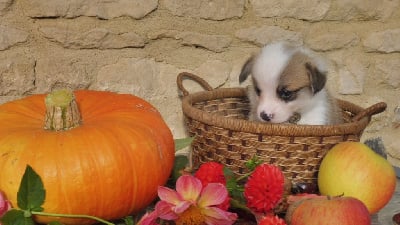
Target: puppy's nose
{"x": 266, "y": 116}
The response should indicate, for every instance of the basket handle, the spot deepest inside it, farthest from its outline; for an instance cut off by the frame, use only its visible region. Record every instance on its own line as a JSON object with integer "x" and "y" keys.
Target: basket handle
{"x": 199, "y": 80}
{"x": 370, "y": 111}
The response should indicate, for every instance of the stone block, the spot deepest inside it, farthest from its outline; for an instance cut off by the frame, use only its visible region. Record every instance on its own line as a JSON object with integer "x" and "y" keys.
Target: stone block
{"x": 5, "y": 5}
{"x": 212, "y": 10}
{"x": 352, "y": 73}
{"x": 388, "y": 69}
{"x": 152, "y": 81}
{"x": 267, "y": 34}
{"x": 332, "y": 41}
{"x": 136, "y": 9}
{"x": 215, "y": 43}
{"x": 362, "y": 10}
{"x": 386, "y": 41}
{"x": 312, "y": 10}
{"x": 143, "y": 77}
{"x": 350, "y": 83}
{"x": 10, "y": 36}
{"x": 17, "y": 74}
{"x": 215, "y": 72}
{"x": 62, "y": 72}
{"x": 93, "y": 38}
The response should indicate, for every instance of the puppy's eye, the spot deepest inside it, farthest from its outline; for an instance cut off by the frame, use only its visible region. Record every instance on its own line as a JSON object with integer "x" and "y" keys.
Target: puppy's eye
{"x": 286, "y": 95}
{"x": 258, "y": 91}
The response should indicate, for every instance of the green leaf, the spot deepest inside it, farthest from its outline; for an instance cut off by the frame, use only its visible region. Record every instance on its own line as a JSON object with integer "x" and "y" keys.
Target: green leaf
{"x": 129, "y": 220}
{"x": 240, "y": 205}
{"x": 183, "y": 143}
{"x": 253, "y": 163}
{"x": 16, "y": 217}
{"x": 180, "y": 164}
{"x": 228, "y": 173}
{"x": 31, "y": 193}
{"x": 234, "y": 188}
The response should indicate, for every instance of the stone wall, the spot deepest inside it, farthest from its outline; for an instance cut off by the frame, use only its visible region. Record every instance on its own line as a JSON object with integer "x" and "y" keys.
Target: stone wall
{"x": 139, "y": 46}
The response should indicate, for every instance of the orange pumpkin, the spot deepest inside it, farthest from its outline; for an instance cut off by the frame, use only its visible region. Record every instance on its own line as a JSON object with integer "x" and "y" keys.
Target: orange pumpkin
{"x": 106, "y": 162}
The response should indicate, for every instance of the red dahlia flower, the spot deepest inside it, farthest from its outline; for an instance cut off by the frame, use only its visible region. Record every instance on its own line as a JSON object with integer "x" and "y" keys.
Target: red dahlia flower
{"x": 213, "y": 172}
{"x": 264, "y": 188}
{"x": 272, "y": 220}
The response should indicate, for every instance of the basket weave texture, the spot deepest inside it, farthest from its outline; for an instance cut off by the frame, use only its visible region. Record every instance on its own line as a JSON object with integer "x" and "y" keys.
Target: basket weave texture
{"x": 218, "y": 120}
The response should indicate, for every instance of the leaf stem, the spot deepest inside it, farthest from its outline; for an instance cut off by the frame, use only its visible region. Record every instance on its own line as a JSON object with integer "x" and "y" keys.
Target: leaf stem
{"x": 244, "y": 176}
{"x": 71, "y": 216}
{"x": 236, "y": 204}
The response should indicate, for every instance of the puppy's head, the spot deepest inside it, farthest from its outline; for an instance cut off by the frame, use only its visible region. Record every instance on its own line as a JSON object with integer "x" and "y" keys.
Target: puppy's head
{"x": 285, "y": 81}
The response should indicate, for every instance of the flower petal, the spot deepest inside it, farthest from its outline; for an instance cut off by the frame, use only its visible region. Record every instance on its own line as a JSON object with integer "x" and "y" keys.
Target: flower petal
{"x": 2, "y": 200}
{"x": 169, "y": 195}
{"x": 213, "y": 221}
{"x": 149, "y": 219}
{"x": 181, "y": 207}
{"x": 211, "y": 172}
{"x": 272, "y": 220}
{"x": 4, "y": 204}
{"x": 188, "y": 187}
{"x": 264, "y": 188}
{"x": 164, "y": 211}
{"x": 217, "y": 216}
{"x": 212, "y": 194}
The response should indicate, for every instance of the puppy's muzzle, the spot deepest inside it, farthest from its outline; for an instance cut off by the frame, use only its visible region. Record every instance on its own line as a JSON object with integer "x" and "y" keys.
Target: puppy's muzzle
{"x": 266, "y": 116}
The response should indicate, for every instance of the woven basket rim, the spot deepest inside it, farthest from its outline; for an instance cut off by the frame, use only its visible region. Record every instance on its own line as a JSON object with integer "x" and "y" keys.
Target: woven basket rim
{"x": 242, "y": 125}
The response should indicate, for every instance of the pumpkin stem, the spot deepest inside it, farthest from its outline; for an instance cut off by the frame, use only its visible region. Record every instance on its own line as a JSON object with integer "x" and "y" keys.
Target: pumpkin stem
{"x": 62, "y": 111}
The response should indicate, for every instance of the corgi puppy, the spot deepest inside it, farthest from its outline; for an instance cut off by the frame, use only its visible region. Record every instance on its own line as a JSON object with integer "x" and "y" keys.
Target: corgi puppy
{"x": 288, "y": 85}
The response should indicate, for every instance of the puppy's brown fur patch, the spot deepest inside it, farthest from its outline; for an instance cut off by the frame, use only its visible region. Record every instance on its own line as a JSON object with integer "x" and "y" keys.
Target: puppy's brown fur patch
{"x": 301, "y": 73}
{"x": 295, "y": 76}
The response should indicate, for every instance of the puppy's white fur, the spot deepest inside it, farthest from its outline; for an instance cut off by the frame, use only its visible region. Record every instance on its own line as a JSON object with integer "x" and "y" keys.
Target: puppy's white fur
{"x": 289, "y": 80}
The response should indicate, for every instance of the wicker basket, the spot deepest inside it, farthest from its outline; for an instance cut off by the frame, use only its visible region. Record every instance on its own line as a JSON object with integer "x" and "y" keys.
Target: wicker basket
{"x": 217, "y": 119}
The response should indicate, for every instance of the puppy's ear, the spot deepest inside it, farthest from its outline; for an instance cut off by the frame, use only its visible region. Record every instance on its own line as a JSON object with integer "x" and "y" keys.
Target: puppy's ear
{"x": 317, "y": 78}
{"x": 246, "y": 69}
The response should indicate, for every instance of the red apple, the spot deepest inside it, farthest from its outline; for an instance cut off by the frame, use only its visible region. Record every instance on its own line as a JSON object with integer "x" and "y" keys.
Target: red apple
{"x": 353, "y": 169}
{"x": 328, "y": 211}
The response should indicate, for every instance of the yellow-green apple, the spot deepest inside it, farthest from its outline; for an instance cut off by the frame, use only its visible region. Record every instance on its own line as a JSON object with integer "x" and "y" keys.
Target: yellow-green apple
{"x": 328, "y": 211}
{"x": 353, "y": 169}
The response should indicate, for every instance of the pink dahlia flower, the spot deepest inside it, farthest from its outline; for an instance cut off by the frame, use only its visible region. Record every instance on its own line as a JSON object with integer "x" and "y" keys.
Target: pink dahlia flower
{"x": 193, "y": 204}
{"x": 4, "y": 205}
